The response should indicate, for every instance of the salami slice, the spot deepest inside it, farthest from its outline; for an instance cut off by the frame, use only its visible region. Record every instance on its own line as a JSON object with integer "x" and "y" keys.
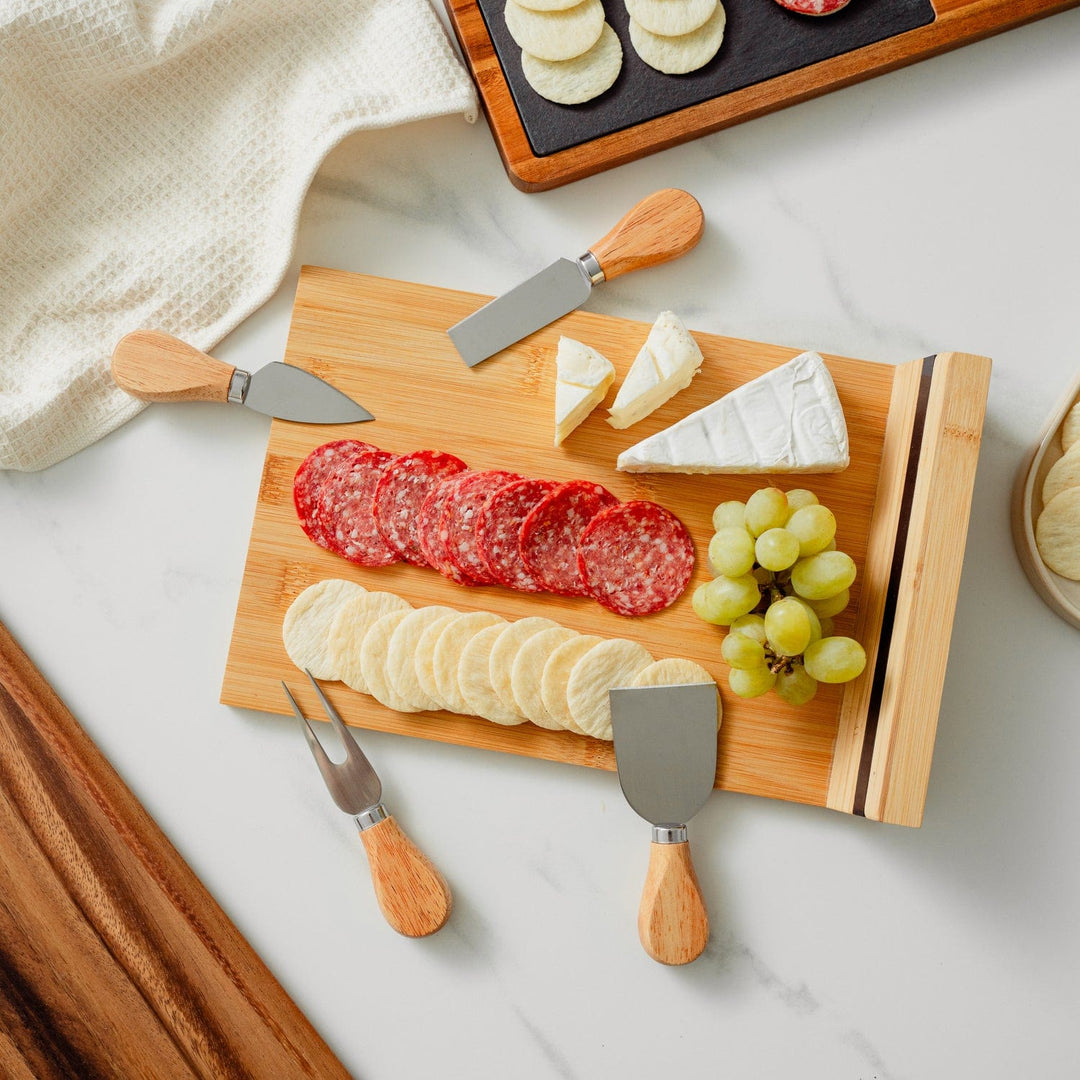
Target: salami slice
{"x": 814, "y": 7}
{"x": 432, "y": 530}
{"x": 402, "y": 491}
{"x": 635, "y": 558}
{"x": 313, "y": 470}
{"x": 550, "y": 534}
{"x": 498, "y": 532}
{"x": 460, "y": 518}
{"x": 345, "y": 508}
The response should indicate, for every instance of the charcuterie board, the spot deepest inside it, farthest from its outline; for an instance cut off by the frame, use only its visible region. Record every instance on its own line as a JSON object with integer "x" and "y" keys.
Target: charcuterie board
{"x": 770, "y": 58}
{"x": 902, "y": 505}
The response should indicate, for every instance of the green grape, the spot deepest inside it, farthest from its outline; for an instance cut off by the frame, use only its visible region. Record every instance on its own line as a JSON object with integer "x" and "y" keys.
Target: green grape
{"x": 728, "y": 514}
{"x": 751, "y": 683}
{"x": 795, "y": 686}
{"x": 740, "y": 651}
{"x": 763, "y": 576}
{"x": 723, "y": 599}
{"x": 766, "y": 509}
{"x": 814, "y": 527}
{"x": 731, "y": 551}
{"x": 818, "y": 577}
{"x": 752, "y": 626}
{"x": 826, "y": 609}
{"x": 777, "y": 549}
{"x": 787, "y": 626}
{"x": 797, "y": 498}
{"x": 835, "y": 659}
{"x": 831, "y": 545}
{"x": 827, "y": 629}
{"x": 815, "y": 622}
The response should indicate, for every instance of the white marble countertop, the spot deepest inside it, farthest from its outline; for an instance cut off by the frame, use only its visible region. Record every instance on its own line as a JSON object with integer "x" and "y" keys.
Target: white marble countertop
{"x": 935, "y": 208}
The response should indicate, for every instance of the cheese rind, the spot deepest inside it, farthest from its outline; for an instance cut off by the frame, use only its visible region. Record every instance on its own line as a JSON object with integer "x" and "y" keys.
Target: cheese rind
{"x": 788, "y": 420}
{"x": 582, "y": 379}
{"x": 667, "y": 362}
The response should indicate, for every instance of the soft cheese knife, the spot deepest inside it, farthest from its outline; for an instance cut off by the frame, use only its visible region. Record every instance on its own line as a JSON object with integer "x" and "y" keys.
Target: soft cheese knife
{"x": 661, "y": 227}
{"x": 158, "y": 367}
{"x": 665, "y": 751}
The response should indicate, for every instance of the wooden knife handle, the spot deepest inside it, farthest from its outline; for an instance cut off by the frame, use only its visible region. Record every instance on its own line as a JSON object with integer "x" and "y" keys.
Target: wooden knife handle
{"x": 661, "y": 227}
{"x": 158, "y": 367}
{"x": 412, "y": 894}
{"x": 672, "y": 921}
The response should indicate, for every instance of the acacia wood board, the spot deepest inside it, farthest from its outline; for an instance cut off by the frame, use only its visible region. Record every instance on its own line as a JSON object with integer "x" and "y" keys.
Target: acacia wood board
{"x": 862, "y": 748}
{"x": 621, "y": 137}
{"x": 114, "y": 959}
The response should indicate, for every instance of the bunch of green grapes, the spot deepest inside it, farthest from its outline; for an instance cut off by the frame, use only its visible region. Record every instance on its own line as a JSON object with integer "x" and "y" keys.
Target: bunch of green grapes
{"x": 778, "y": 581}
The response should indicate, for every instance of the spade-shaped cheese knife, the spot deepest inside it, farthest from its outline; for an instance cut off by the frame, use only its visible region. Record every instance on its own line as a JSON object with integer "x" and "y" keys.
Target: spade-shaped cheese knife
{"x": 665, "y": 751}
{"x": 661, "y": 227}
{"x": 154, "y": 366}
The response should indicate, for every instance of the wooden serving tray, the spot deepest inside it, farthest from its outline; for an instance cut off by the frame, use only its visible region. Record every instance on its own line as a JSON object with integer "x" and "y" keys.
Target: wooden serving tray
{"x": 902, "y": 506}
{"x": 645, "y": 111}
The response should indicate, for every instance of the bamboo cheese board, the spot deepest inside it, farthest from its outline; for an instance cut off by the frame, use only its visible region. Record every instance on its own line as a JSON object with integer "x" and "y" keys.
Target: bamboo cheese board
{"x": 902, "y": 505}
{"x": 770, "y": 58}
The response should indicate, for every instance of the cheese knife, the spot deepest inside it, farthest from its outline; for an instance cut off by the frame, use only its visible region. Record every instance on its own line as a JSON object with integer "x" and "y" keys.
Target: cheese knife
{"x": 153, "y": 366}
{"x": 665, "y": 751}
{"x": 661, "y": 227}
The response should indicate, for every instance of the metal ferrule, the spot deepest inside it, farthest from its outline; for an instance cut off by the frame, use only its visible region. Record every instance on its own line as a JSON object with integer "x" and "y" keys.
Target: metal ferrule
{"x": 591, "y": 268}
{"x": 238, "y": 386}
{"x": 371, "y": 816}
{"x": 669, "y": 834}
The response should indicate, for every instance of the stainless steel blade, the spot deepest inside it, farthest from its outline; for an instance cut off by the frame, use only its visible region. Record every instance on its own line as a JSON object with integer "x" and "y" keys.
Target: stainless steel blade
{"x": 290, "y": 393}
{"x": 665, "y": 748}
{"x": 545, "y": 297}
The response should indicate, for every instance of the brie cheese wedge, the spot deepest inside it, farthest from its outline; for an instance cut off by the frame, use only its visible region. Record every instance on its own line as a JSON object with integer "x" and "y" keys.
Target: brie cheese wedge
{"x": 788, "y": 420}
{"x": 667, "y": 362}
{"x": 582, "y": 378}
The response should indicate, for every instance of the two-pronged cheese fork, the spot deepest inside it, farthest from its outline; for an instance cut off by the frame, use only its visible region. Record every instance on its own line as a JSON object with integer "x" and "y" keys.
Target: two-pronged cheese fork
{"x": 412, "y": 894}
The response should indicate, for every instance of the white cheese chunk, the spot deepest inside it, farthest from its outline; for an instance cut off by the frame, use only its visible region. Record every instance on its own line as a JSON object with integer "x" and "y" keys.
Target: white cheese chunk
{"x": 582, "y": 378}
{"x": 667, "y": 362}
{"x": 788, "y": 420}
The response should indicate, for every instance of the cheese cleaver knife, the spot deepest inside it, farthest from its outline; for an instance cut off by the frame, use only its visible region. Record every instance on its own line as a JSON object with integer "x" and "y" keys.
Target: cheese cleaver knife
{"x": 153, "y": 366}
{"x": 665, "y": 751}
{"x": 661, "y": 227}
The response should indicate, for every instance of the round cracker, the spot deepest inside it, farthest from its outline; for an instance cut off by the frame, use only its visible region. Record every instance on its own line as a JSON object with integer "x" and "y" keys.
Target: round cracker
{"x": 474, "y": 679}
{"x": 548, "y": 5}
{"x": 349, "y": 627}
{"x": 670, "y": 18}
{"x": 305, "y": 630}
{"x": 1057, "y": 534}
{"x": 505, "y": 649}
{"x": 373, "y": 652}
{"x": 580, "y": 79}
{"x": 675, "y": 671}
{"x": 424, "y": 658}
{"x": 556, "y": 35}
{"x": 448, "y": 650}
{"x": 683, "y": 54}
{"x": 401, "y": 666}
{"x": 1064, "y": 473}
{"x": 528, "y": 671}
{"x": 614, "y": 662}
{"x": 1070, "y": 428}
{"x": 556, "y": 675}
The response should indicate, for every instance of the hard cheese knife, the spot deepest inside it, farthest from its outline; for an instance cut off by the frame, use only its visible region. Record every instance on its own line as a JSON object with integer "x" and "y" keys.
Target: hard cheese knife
{"x": 158, "y": 367}
{"x": 661, "y": 227}
{"x": 665, "y": 751}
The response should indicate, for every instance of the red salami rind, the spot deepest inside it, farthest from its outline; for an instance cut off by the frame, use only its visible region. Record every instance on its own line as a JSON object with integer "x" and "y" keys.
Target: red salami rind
{"x": 402, "y": 491}
{"x": 635, "y": 558}
{"x": 432, "y": 529}
{"x": 813, "y": 7}
{"x": 309, "y": 477}
{"x": 345, "y": 508}
{"x": 550, "y": 534}
{"x": 460, "y": 518}
{"x": 498, "y": 532}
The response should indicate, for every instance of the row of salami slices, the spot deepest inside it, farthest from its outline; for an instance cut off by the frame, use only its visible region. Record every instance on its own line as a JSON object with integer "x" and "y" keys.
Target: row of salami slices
{"x": 492, "y": 527}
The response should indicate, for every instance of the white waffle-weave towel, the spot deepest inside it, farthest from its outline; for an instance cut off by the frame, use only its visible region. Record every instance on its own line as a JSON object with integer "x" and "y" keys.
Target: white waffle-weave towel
{"x": 154, "y": 155}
